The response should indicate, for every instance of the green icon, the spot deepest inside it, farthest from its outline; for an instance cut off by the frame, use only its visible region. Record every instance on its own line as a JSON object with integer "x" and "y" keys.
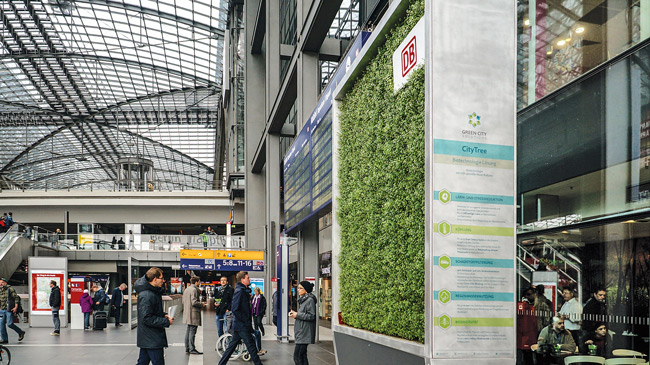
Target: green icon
{"x": 444, "y": 296}
{"x": 474, "y": 119}
{"x": 444, "y": 228}
{"x": 444, "y": 261}
{"x": 444, "y": 321}
{"x": 444, "y": 196}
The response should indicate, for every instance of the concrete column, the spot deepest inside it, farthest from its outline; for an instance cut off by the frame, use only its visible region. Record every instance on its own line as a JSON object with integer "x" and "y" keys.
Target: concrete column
{"x": 272, "y": 42}
{"x": 308, "y": 258}
{"x": 255, "y": 119}
{"x": 308, "y": 86}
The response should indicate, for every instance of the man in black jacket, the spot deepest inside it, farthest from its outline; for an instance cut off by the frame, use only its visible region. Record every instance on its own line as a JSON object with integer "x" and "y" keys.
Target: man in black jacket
{"x": 55, "y": 304}
{"x": 242, "y": 324}
{"x": 594, "y": 310}
{"x": 223, "y": 303}
{"x": 152, "y": 321}
{"x": 117, "y": 302}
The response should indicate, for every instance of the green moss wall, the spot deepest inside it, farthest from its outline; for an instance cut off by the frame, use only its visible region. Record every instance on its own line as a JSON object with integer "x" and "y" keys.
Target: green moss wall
{"x": 382, "y": 197}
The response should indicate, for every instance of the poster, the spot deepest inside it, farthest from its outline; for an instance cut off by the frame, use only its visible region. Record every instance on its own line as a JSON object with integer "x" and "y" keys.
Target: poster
{"x": 176, "y": 285}
{"x": 257, "y": 283}
{"x": 470, "y": 144}
{"x": 41, "y": 290}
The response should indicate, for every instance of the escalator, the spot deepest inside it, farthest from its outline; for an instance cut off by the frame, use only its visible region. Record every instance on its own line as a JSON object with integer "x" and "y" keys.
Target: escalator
{"x": 14, "y": 249}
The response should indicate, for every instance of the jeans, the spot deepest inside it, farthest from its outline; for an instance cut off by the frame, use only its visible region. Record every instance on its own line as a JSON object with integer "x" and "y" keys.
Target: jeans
{"x": 221, "y": 324}
{"x": 56, "y": 320}
{"x": 300, "y": 354}
{"x": 155, "y": 356}
{"x": 257, "y": 321}
{"x": 7, "y": 320}
{"x": 86, "y": 320}
{"x": 238, "y": 336}
{"x": 117, "y": 315}
{"x": 190, "y": 334}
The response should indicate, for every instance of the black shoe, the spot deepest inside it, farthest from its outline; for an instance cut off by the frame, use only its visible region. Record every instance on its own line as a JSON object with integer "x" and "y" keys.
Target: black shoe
{"x": 21, "y": 336}
{"x": 195, "y": 352}
{"x": 118, "y": 325}
{"x": 187, "y": 352}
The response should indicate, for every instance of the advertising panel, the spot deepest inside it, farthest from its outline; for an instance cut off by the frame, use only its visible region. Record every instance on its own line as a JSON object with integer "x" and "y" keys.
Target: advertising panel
{"x": 470, "y": 144}
{"x": 257, "y": 283}
{"x": 408, "y": 55}
{"x": 176, "y": 285}
{"x": 41, "y": 290}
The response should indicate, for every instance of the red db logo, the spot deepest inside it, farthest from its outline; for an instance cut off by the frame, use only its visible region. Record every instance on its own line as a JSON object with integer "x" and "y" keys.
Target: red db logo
{"x": 409, "y": 57}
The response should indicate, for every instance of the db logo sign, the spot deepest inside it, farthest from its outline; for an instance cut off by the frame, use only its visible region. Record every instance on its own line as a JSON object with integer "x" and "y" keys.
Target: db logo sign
{"x": 409, "y": 56}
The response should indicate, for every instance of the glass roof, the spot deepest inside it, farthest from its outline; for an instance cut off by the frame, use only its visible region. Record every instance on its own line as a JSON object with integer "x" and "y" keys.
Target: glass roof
{"x": 84, "y": 83}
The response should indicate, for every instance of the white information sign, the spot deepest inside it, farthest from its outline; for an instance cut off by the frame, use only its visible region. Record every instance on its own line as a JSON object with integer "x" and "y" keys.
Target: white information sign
{"x": 409, "y": 55}
{"x": 471, "y": 180}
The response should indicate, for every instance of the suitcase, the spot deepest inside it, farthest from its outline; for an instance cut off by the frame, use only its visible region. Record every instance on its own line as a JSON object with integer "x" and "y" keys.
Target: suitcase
{"x": 99, "y": 320}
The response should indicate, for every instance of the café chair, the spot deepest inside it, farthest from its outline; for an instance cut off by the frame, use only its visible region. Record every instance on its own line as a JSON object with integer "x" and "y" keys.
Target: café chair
{"x": 628, "y": 353}
{"x": 624, "y": 361}
{"x": 584, "y": 359}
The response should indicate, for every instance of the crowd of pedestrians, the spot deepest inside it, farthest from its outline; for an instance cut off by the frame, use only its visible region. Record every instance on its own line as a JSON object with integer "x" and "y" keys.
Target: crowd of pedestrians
{"x": 6, "y": 221}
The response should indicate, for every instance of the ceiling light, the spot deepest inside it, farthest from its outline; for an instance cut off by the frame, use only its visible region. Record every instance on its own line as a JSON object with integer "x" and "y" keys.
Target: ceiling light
{"x": 526, "y": 22}
{"x": 568, "y": 39}
{"x": 549, "y": 52}
{"x": 561, "y": 43}
{"x": 565, "y": 232}
{"x": 630, "y": 221}
{"x": 580, "y": 30}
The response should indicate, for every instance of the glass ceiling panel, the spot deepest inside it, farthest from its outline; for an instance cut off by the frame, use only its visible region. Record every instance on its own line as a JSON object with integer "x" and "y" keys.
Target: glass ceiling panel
{"x": 84, "y": 83}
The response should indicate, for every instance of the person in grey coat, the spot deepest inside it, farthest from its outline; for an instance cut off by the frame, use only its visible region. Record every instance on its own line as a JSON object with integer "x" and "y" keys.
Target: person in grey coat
{"x": 305, "y": 326}
{"x": 192, "y": 315}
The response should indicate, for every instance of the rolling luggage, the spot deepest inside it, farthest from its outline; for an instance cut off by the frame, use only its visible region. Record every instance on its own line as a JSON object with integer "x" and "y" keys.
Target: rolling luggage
{"x": 99, "y": 320}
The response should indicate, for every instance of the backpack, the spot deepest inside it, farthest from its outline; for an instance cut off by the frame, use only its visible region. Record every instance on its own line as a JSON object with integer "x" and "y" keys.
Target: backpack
{"x": 11, "y": 302}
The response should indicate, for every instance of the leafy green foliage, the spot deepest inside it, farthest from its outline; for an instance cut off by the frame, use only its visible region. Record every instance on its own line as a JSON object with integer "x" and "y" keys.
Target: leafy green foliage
{"x": 382, "y": 197}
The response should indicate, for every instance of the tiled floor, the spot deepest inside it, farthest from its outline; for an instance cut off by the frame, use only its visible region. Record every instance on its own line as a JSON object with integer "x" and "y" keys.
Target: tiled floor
{"x": 118, "y": 346}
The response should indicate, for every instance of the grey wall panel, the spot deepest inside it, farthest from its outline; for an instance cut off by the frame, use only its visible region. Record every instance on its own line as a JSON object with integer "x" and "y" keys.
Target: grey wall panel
{"x": 354, "y": 351}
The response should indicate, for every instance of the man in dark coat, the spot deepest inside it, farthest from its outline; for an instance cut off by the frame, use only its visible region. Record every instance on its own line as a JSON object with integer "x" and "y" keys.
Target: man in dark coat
{"x": 152, "y": 321}
{"x": 117, "y": 302}
{"x": 223, "y": 304}
{"x": 55, "y": 304}
{"x": 594, "y": 310}
{"x": 242, "y": 324}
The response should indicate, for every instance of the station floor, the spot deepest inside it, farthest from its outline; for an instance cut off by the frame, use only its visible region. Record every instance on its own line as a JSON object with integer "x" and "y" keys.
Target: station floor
{"x": 118, "y": 346}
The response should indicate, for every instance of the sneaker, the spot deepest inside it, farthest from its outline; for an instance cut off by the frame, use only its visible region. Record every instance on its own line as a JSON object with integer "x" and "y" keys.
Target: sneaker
{"x": 54, "y": 334}
{"x": 21, "y": 336}
{"x": 261, "y": 352}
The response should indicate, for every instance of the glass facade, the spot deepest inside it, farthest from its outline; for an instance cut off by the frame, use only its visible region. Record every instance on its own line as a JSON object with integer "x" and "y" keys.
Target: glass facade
{"x": 583, "y": 176}
{"x": 558, "y": 41}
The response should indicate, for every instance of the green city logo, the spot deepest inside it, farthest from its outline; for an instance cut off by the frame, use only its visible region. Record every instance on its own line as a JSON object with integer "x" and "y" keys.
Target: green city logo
{"x": 444, "y": 196}
{"x": 444, "y": 261}
{"x": 474, "y": 119}
{"x": 444, "y": 321}
{"x": 444, "y": 228}
{"x": 444, "y": 296}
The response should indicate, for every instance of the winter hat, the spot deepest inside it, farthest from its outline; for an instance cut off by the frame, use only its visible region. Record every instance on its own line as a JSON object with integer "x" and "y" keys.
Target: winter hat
{"x": 86, "y": 291}
{"x": 307, "y": 286}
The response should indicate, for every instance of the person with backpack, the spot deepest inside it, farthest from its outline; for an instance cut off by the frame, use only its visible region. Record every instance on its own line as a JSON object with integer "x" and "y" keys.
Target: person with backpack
{"x": 100, "y": 299}
{"x": 9, "y": 307}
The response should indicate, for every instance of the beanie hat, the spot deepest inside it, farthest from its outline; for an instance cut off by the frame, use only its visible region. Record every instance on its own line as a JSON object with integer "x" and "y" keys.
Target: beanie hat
{"x": 86, "y": 291}
{"x": 307, "y": 286}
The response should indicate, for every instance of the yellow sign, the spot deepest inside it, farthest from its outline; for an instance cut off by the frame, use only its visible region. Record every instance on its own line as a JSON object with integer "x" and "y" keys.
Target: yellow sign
{"x": 197, "y": 254}
{"x": 238, "y": 255}
{"x": 85, "y": 239}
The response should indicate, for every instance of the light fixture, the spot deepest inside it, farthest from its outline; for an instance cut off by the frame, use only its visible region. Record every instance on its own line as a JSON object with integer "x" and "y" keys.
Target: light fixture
{"x": 561, "y": 43}
{"x": 526, "y": 22}
{"x": 630, "y": 221}
{"x": 549, "y": 52}
{"x": 568, "y": 39}
{"x": 580, "y": 30}
{"x": 565, "y": 232}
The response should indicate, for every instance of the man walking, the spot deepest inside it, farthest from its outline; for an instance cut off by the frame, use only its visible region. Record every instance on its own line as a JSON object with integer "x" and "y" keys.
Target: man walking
{"x": 55, "y": 304}
{"x": 192, "y": 315}
{"x": 9, "y": 301}
{"x": 117, "y": 302}
{"x": 152, "y": 321}
{"x": 223, "y": 304}
{"x": 242, "y": 324}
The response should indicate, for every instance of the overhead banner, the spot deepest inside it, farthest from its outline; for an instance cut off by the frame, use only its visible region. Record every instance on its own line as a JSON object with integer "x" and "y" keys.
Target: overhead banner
{"x": 222, "y": 260}
{"x": 470, "y": 186}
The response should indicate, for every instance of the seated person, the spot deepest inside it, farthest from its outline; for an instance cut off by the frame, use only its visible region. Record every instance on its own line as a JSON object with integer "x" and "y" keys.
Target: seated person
{"x": 555, "y": 334}
{"x": 601, "y": 338}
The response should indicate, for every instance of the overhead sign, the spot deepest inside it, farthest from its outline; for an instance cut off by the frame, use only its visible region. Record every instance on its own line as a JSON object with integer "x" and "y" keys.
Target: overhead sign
{"x": 408, "y": 56}
{"x": 197, "y": 264}
{"x": 197, "y": 254}
{"x": 239, "y": 265}
{"x": 238, "y": 255}
{"x": 224, "y": 260}
{"x": 308, "y": 163}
